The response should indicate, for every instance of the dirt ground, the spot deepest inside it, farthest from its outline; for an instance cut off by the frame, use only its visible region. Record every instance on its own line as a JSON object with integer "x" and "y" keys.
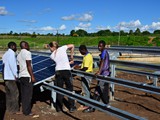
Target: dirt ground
{"x": 136, "y": 102}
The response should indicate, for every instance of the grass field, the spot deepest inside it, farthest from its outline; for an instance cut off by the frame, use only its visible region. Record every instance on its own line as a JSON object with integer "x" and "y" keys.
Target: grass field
{"x": 39, "y": 41}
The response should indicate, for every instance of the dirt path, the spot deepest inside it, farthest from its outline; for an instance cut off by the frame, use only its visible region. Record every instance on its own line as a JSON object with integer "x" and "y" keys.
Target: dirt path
{"x": 150, "y": 40}
{"x": 136, "y": 102}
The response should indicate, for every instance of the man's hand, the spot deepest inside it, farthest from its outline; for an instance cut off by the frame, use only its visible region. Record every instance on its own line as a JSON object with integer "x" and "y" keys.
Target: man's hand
{"x": 33, "y": 80}
{"x": 97, "y": 73}
{"x": 71, "y": 62}
{"x": 76, "y": 67}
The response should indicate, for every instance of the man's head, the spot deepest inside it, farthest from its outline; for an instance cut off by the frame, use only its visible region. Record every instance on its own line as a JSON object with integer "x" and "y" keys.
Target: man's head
{"x": 53, "y": 46}
{"x": 13, "y": 46}
{"x": 83, "y": 50}
{"x": 24, "y": 45}
{"x": 101, "y": 45}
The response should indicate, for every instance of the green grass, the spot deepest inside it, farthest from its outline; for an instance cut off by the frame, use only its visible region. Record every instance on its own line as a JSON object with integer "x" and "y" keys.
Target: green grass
{"x": 39, "y": 41}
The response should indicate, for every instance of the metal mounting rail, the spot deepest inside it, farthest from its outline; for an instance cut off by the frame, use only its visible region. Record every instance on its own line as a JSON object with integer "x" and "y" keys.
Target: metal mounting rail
{"x": 126, "y": 83}
{"x": 138, "y": 72}
{"x": 98, "y": 105}
{"x": 135, "y": 64}
{"x": 142, "y": 50}
{"x": 126, "y": 63}
{"x": 116, "y": 62}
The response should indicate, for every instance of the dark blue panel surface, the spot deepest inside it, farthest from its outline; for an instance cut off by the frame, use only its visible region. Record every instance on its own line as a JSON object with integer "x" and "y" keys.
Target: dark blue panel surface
{"x": 43, "y": 67}
{"x": 0, "y": 62}
{"x": 0, "y": 65}
{"x": 44, "y": 73}
{"x": 42, "y": 64}
{"x": 38, "y": 58}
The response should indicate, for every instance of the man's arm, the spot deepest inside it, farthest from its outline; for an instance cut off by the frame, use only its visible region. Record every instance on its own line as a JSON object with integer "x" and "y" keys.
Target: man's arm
{"x": 71, "y": 48}
{"x": 100, "y": 67}
{"x": 29, "y": 67}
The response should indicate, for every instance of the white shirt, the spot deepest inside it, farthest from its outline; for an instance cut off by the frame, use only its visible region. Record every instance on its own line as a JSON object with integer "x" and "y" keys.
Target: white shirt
{"x": 10, "y": 65}
{"x": 21, "y": 61}
{"x": 61, "y": 58}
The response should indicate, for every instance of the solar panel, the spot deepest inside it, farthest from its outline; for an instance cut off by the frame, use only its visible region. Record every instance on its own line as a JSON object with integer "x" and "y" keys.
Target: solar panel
{"x": 43, "y": 67}
{"x": 0, "y": 65}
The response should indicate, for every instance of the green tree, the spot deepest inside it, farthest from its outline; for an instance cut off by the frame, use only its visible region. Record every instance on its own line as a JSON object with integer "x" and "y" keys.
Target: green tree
{"x": 11, "y": 32}
{"x": 81, "y": 32}
{"x": 33, "y": 35}
{"x": 72, "y": 32}
{"x": 137, "y": 32}
{"x": 146, "y": 33}
{"x": 104, "y": 33}
{"x": 131, "y": 32}
{"x": 156, "y": 32}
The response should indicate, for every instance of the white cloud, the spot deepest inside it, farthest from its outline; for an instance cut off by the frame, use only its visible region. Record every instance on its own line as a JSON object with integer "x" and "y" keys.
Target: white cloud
{"x": 145, "y": 28}
{"x": 83, "y": 26}
{"x": 28, "y": 21}
{"x": 132, "y": 25}
{"x": 71, "y": 17}
{"x": 62, "y": 27}
{"x": 47, "y": 28}
{"x": 103, "y": 28}
{"x": 85, "y": 17}
{"x": 3, "y": 11}
{"x": 154, "y": 26}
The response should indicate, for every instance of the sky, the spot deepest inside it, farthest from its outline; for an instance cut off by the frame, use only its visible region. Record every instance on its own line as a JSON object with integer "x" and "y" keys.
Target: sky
{"x": 62, "y": 16}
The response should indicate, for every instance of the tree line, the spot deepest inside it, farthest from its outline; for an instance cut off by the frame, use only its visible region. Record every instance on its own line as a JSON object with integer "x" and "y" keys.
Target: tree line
{"x": 82, "y": 33}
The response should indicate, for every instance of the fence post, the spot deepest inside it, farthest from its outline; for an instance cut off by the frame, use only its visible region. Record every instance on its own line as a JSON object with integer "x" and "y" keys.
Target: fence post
{"x": 53, "y": 96}
{"x": 113, "y": 56}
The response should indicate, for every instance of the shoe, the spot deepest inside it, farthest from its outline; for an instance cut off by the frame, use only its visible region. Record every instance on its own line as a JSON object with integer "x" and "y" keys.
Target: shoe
{"x": 59, "y": 110}
{"x": 17, "y": 113}
{"x": 88, "y": 110}
{"x": 82, "y": 108}
{"x": 72, "y": 109}
{"x": 31, "y": 114}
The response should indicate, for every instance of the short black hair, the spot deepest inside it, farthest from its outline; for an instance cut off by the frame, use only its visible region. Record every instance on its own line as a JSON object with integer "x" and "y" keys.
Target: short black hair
{"x": 22, "y": 44}
{"x": 102, "y": 42}
{"x": 10, "y": 44}
{"x": 82, "y": 47}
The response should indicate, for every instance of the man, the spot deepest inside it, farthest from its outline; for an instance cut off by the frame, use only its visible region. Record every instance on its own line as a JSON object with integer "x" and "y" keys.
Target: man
{"x": 102, "y": 89}
{"x": 10, "y": 76}
{"x": 26, "y": 77}
{"x": 63, "y": 72}
{"x": 87, "y": 66}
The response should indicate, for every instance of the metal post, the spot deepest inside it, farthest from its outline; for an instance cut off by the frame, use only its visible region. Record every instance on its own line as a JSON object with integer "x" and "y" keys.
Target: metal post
{"x": 111, "y": 95}
{"x": 155, "y": 79}
{"x": 53, "y": 96}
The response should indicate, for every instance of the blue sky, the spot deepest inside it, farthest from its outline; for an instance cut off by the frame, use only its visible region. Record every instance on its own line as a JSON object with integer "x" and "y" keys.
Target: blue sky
{"x": 48, "y": 16}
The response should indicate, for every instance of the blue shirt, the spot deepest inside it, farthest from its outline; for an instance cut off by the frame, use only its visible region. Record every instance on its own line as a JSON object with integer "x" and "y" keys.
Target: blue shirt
{"x": 106, "y": 66}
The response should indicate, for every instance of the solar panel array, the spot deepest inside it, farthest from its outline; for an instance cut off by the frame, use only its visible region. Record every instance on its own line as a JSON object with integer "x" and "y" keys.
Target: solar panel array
{"x": 43, "y": 67}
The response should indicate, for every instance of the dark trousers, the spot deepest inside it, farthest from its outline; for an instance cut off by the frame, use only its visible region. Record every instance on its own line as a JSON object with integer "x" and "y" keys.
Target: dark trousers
{"x": 12, "y": 96}
{"x": 102, "y": 91}
{"x": 26, "y": 94}
{"x": 2, "y": 104}
{"x": 64, "y": 76}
